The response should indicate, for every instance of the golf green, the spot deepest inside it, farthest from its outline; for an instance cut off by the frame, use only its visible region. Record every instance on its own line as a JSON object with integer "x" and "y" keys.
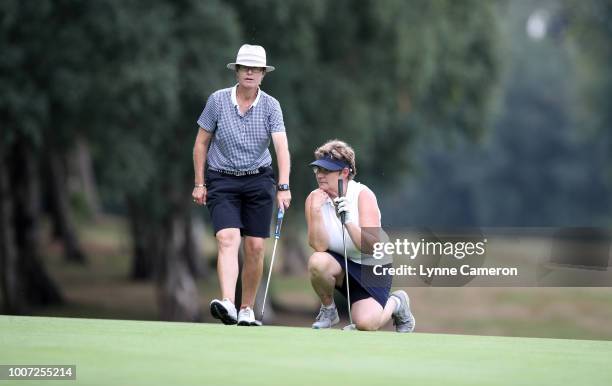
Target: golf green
{"x": 109, "y": 352}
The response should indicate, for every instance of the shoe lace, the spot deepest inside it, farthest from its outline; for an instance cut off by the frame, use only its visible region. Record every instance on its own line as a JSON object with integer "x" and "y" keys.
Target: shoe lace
{"x": 324, "y": 313}
{"x": 401, "y": 316}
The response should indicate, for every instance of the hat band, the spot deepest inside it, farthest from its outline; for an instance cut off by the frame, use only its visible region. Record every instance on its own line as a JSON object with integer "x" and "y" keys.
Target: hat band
{"x": 255, "y": 60}
{"x": 251, "y": 63}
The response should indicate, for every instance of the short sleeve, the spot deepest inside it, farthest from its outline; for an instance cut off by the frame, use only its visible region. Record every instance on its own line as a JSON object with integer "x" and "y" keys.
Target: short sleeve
{"x": 210, "y": 114}
{"x": 275, "y": 117}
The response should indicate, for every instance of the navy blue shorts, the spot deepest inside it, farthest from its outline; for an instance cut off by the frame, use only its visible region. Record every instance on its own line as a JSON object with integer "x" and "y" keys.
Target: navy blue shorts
{"x": 244, "y": 202}
{"x": 363, "y": 283}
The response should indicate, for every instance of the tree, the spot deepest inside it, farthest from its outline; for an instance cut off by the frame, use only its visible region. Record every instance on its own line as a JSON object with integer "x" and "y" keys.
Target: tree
{"x": 130, "y": 78}
{"x": 176, "y": 53}
{"x": 536, "y": 167}
{"x": 587, "y": 35}
{"x": 376, "y": 74}
{"x": 24, "y": 111}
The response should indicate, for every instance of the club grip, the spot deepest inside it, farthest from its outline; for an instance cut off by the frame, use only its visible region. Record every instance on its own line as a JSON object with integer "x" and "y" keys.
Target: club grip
{"x": 340, "y": 194}
{"x": 279, "y": 222}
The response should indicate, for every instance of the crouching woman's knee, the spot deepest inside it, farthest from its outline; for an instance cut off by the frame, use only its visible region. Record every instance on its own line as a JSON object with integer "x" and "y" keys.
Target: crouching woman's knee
{"x": 318, "y": 263}
{"x": 369, "y": 323}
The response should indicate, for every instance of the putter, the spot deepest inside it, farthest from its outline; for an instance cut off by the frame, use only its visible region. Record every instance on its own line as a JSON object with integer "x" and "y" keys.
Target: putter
{"x": 342, "y": 220}
{"x": 279, "y": 224}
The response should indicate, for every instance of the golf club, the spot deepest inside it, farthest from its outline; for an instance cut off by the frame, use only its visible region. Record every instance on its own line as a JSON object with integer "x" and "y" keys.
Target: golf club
{"x": 342, "y": 220}
{"x": 279, "y": 224}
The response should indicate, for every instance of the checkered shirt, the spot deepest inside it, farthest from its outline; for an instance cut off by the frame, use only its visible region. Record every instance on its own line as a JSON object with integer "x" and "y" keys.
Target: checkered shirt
{"x": 240, "y": 142}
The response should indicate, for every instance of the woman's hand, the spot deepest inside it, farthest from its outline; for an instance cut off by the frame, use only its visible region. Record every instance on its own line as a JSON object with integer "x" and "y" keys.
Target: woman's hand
{"x": 343, "y": 205}
{"x": 318, "y": 198}
{"x": 283, "y": 199}
{"x": 199, "y": 195}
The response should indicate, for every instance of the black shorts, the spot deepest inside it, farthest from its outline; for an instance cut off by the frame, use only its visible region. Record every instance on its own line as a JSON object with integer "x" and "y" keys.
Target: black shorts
{"x": 244, "y": 202}
{"x": 363, "y": 283}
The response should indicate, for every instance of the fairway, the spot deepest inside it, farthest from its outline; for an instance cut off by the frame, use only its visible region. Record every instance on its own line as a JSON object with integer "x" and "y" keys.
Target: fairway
{"x": 161, "y": 353}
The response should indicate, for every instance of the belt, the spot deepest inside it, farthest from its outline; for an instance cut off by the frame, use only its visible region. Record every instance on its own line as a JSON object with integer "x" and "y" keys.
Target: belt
{"x": 240, "y": 173}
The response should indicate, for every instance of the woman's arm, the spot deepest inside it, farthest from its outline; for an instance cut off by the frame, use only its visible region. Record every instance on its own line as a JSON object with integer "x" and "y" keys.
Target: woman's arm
{"x": 200, "y": 150}
{"x": 281, "y": 148}
{"x": 317, "y": 235}
{"x": 369, "y": 229}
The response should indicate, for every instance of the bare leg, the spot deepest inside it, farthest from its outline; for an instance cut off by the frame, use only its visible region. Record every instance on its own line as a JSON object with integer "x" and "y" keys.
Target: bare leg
{"x": 368, "y": 315}
{"x": 228, "y": 242}
{"x": 325, "y": 274}
{"x": 252, "y": 269}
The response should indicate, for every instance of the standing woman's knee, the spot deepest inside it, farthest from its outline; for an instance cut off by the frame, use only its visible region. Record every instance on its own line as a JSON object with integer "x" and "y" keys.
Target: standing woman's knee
{"x": 254, "y": 247}
{"x": 228, "y": 238}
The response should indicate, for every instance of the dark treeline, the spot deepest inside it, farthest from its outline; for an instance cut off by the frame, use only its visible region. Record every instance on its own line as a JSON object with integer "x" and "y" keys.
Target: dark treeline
{"x": 546, "y": 159}
{"x": 106, "y": 93}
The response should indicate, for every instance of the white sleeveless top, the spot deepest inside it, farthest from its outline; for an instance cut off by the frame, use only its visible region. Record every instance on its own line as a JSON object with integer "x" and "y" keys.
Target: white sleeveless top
{"x": 334, "y": 227}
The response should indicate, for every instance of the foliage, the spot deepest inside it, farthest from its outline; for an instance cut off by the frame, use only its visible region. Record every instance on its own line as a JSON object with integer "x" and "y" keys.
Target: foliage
{"x": 376, "y": 74}
{"x": 539, "y": 166}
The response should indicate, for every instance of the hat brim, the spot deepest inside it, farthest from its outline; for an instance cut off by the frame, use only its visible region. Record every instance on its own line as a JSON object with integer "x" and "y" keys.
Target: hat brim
{"x": 232, "y": 66}
{"x": 329, "y": 164}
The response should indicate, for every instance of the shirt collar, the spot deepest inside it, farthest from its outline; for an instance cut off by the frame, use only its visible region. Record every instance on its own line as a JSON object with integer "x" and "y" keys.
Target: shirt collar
{"x": 235, "y": 101}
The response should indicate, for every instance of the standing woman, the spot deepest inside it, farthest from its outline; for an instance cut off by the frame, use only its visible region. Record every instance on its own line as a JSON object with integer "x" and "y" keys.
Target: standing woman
{"x": 234, "y": 179}
{"x": 371, "y": 305}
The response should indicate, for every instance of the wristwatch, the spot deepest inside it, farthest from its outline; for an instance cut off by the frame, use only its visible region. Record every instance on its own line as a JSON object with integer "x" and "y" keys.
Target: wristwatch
{"x": 283, "y": 187}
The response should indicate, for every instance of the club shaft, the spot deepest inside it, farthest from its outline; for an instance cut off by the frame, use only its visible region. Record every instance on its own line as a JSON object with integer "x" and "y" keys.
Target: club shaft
{"x": 343, "y": 222}
{"x": 263, "y": 306}
{"x": 348, "y": 291}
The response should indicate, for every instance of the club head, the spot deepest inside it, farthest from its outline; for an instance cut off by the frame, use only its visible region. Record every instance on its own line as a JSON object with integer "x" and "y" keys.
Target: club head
{"x": 350, "y": 327}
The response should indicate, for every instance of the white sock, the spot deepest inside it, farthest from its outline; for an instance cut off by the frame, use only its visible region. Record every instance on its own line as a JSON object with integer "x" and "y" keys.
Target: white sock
{"x": 330, "y": 307}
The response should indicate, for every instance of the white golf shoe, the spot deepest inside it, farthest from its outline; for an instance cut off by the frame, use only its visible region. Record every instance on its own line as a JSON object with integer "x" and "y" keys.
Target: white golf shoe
{"x": 402, "y": 318}
{"x": 327, "y": 318}
{"x": 246, "y": 317}
{"x": 223, "y": 310}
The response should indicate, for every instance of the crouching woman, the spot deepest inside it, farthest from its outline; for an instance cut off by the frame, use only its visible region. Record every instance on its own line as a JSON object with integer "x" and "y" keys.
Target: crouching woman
{"x": 371, "y": 305}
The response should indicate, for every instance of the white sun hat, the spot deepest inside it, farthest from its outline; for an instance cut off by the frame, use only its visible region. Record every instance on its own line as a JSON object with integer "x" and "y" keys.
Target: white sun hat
{"x": 251, "y": 56}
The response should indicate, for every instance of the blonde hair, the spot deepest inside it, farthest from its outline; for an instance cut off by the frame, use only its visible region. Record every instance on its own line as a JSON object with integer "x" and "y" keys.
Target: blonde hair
{"x": 339, "y": 150}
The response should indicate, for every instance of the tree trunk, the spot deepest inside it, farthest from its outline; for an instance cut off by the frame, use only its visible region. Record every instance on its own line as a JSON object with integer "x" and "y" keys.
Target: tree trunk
{"x": 197, "y": 239}
{"x": 86, "y": 177}
{"x": 294, "y": 261}
{"x": 191, "y": 250}
{"x": 60, "y": 209}
{"x": 38, "y": 287}
{"x": 178, "y": 295}
{"x": 145, "y": 246}
{"x": 9, "y": 273}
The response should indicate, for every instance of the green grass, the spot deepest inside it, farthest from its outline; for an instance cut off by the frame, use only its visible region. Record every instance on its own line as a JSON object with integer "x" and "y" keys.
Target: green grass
{"x": 110, "y": 352}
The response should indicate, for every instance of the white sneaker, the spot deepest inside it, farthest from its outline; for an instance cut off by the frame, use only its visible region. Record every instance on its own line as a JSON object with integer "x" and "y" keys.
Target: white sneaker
{"x": 246, "y": 317}
{"x": 327, "y": 318}
{"x": 403, "y": 319}
{"x": 223, "y": 310}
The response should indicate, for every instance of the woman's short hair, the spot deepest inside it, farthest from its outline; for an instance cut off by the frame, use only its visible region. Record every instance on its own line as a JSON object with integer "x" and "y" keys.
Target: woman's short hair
{"x": 339, "y": 150}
